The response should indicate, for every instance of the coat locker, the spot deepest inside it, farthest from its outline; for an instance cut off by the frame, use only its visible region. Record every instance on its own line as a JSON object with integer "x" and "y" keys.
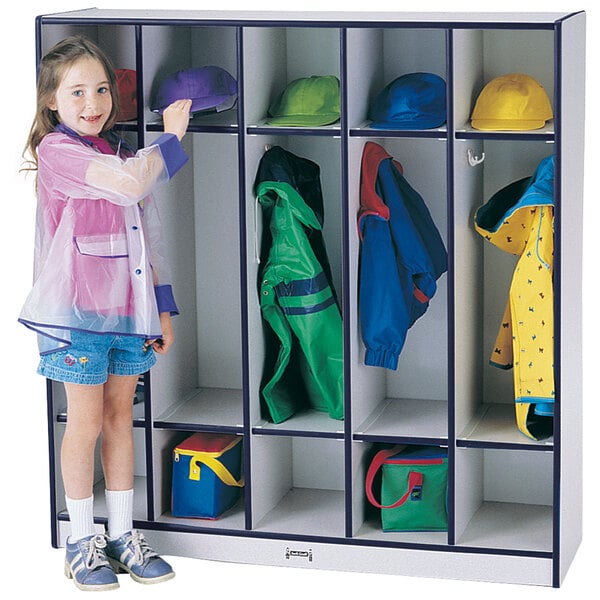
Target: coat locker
{"x": 267, "y": 222}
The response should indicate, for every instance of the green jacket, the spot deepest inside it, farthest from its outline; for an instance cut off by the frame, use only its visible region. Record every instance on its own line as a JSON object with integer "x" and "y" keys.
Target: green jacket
{"x": 304, "y": 362}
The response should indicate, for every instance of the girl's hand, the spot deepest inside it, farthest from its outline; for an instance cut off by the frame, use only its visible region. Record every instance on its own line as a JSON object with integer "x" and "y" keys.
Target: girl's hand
{"x": 162, "y": 345}
{"x": 176, "y": 117}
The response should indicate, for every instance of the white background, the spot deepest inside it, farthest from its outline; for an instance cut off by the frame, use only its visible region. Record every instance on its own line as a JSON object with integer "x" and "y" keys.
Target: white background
{"x": 27, "y": 558}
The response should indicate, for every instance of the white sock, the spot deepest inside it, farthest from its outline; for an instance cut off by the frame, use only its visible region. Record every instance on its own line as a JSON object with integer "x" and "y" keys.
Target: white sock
{"x": 120, "y": 512}
{"x": 81, "y": 515}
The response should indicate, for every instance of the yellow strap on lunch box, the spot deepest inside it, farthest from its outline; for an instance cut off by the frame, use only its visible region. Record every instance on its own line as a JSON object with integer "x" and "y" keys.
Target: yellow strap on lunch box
{"x": 212, "y": 463}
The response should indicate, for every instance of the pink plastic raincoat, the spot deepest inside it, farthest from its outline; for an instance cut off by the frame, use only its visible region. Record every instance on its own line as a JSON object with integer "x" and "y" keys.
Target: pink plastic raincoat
{"x": 98, "y": 262}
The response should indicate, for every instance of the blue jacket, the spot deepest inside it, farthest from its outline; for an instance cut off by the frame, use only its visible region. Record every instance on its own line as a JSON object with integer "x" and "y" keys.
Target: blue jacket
{"x": 402, "y": 256}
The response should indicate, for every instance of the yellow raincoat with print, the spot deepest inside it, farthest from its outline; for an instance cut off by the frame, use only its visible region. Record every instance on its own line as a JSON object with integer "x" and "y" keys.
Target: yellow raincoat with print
{"x": 519, "y": 219}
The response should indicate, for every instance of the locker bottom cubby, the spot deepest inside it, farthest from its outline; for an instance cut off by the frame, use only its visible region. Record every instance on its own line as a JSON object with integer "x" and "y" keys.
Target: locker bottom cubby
{"x": 504, "y": 500}
{"x": 230, "y": 518}
{"x": 367, "y": 518}
{"x": 298, "y": 486}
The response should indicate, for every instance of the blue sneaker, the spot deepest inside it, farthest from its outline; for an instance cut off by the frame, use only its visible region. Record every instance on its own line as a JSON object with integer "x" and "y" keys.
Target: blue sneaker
{"x": 87, "y": 565}
{"x": 131, "y": 553}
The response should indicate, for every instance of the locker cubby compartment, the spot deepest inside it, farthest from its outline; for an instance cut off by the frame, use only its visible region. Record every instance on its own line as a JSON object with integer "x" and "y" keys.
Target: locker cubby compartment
{"x": 480, "y": 55}
{"x": 164, "y": 443}
{"x": 117, "y": 41}
{"x": 140, "y": 507}
{"x": 367, "y": 518}
{"x": 199, "y": 381}
{"x": 411, "y": 401}
{"x": 377, "y": 56}
{"x": 325, "y": 152}
{"x": 276, "y": 56}
{"x": 484, "y": 393}
{"x": 504, "y": 499}
{"x": 168, "y": 49}
{"x": 298, "y": 486}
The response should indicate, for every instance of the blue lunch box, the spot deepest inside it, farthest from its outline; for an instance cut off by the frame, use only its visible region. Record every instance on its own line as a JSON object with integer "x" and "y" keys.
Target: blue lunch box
{"x": 207, "y": 475}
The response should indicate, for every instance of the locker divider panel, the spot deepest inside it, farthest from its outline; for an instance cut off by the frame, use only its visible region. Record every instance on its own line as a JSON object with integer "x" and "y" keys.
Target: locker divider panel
{"x": 570, "y": 71}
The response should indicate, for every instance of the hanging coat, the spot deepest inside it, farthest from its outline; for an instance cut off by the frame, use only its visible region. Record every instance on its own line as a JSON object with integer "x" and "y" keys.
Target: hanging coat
{"x": 519, "y": 219}
{"x": 402, "y": 256}
{"x": 304, "y": 350}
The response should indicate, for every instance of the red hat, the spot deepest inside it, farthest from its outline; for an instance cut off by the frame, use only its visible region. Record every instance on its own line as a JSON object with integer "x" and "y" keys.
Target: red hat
{"x": 126, "y": 84}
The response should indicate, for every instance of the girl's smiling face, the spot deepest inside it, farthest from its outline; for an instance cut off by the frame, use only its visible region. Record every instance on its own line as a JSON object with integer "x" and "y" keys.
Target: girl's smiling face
{"x": 83, "y": 100}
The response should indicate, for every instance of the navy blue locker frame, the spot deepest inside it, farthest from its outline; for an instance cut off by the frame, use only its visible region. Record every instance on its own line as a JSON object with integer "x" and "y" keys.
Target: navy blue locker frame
{"x": 345, "y": 132}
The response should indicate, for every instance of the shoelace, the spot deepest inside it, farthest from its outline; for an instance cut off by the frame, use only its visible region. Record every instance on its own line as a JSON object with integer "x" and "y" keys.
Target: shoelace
{"x": 142, "y": 550}
{"x": 93, "y": 550}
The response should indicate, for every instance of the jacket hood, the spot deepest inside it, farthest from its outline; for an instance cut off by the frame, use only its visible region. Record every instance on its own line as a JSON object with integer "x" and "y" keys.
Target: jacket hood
{"x": 370, "y": 202}
{"x": 537, "y": 190}
{"x": 507, "y": 218}
{"x": 303, "y": 175}
{"x": 289, "y": 185}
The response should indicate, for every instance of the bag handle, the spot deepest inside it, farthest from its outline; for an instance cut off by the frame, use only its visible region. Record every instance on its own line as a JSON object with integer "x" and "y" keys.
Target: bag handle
{"x": 218, "y": 467}
{"x": 415, "y": 478}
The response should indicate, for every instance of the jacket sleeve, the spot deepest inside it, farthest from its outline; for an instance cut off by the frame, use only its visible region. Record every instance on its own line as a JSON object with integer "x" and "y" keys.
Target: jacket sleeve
{"x": 161, "y": 271}
{"x": 502, "y": 354}
{"x": 384, "y": 312}
{"x": 410, "y": 238}
{"x": 78, "y": 171}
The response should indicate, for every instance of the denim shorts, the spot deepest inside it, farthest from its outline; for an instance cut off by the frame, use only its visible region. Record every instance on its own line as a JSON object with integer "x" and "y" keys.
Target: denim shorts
{"x": 92, "y": 357}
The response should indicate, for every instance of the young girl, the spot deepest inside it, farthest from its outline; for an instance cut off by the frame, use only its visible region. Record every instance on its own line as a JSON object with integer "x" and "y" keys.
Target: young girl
{"x": 101, "y": 302}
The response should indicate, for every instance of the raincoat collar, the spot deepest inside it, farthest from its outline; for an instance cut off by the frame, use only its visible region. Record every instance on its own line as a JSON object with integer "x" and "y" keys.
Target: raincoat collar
{"x": 111, "y": 137}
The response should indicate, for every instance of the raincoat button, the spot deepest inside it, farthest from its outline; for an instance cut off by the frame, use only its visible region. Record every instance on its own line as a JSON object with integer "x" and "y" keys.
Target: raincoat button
{"x": 138, "y": 271}
{"x": 265, "y": 293}
{"x": 135, "y": 227}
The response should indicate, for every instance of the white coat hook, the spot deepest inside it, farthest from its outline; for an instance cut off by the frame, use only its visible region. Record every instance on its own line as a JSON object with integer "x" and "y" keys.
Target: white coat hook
{"x": 475, "y": 160}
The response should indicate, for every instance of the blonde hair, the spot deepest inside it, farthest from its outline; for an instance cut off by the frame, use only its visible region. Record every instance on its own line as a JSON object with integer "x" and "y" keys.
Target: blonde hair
{"x": 52, "y": 68}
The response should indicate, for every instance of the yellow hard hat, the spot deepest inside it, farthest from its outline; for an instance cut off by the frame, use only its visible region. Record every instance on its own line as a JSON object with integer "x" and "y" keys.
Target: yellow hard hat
{"x": 515, "y": 101}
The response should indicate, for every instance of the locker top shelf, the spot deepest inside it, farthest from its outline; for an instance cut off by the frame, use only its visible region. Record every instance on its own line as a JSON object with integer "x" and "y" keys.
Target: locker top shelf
{"x": 324, "y": 18}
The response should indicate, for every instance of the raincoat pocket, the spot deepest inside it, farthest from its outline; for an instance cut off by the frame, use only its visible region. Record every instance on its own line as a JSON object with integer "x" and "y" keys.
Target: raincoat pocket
{"x": 111, "y": 245}
{"x": 101, "y": 272}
